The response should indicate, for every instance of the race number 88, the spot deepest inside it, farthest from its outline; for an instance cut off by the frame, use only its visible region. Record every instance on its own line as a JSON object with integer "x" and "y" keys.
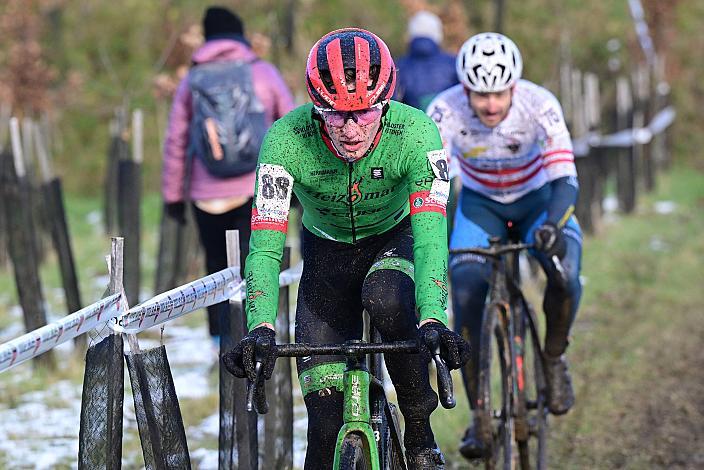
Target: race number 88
{"x": 274, "y": 187}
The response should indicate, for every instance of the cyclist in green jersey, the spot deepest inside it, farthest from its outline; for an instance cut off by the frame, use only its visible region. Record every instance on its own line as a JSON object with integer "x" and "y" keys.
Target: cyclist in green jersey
{"x": 372, "y": 177}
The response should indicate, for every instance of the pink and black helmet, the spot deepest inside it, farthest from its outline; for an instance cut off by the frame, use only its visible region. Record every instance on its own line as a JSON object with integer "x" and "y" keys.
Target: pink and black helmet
{"x": 350, "y": 54}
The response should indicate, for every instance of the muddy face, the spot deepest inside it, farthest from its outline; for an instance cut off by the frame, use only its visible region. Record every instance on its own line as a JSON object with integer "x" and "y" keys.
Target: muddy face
{"x": 491, "y": 108}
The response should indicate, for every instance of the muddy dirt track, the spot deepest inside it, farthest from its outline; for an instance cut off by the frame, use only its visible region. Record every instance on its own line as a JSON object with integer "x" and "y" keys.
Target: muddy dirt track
{"x": 638, "y": 356}
{"x": 656, "y": 422}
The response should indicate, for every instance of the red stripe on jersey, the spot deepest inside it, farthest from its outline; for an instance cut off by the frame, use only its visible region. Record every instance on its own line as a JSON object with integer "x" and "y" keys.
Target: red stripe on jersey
{"x": 558, "y": 160}
{"x": 421, "y": 201}
{"x": 554, "y": 152}
{"x": 268, "y": 223}
{"x": 505, "y": 171}
{"x": 504, "y": 184}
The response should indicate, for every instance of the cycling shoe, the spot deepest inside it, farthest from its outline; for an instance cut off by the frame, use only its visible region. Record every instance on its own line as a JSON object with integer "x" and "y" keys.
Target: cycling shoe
{"x": 425, "y": 458}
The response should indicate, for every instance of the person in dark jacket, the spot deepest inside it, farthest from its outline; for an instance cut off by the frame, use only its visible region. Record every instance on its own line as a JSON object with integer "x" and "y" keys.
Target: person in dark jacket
{"x": 426, "y": 69}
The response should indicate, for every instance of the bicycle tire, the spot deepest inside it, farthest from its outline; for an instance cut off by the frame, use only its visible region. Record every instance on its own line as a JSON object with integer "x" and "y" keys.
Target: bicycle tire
{"x": 533, "y": 450}
{"x": 495, "y": 419}
{"x": 353, "y": 455}
{"x": 396, "y": 459}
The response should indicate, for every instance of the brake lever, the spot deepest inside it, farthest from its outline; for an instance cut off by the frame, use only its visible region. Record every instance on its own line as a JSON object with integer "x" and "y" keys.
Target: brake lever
{"x": 445, "y": 389}
{"x": 257, "y": 387}
{"x": 251, "y": 386}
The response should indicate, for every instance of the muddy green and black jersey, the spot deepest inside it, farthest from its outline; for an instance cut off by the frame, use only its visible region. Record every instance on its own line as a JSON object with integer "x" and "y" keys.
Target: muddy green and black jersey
{"x": 406, "y": 173}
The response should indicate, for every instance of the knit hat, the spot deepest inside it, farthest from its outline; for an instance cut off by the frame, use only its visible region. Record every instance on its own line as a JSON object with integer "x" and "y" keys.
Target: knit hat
{"x": 425, "y": 25}
{"x": 219, "y": 21}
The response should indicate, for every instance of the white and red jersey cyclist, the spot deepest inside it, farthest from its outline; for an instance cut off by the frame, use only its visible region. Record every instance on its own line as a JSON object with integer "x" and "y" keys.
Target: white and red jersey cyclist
{"x": 528, "y": 149}
{"x": 507, "y": 139}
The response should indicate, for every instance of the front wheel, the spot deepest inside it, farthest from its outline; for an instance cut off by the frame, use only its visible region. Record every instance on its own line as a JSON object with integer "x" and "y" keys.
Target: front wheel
{"x": 395, "y": 460}
{"x": 495, "y": 403}
{"x": 354, "y": 453}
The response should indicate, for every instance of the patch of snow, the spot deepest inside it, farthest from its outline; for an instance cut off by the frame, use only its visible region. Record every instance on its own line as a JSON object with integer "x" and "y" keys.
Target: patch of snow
{"x": 664, "y": 207}
{"x": 192, "y": 383}
{"x": 610, "y": 204}
{"x": 15, "y": 311}
{"x": 657, "y": 244}
{"x": 101, "y": 280}
{"x": 95, "y": 218}
{"x": 34, "y": 435}
{"x": 210, "y": 426}
{"x": 188, "y": 346}
{"x": 11, "y": 332}
{"x": 207, "y": 459}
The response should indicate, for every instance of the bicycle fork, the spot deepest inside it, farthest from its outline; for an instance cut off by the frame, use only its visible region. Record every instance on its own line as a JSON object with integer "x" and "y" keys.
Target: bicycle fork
{"x": 356, "y": 412}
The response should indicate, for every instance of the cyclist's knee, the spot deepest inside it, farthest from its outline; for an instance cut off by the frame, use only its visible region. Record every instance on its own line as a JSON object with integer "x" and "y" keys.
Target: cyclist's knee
{"x": 469, "y": 287}
{"x": 388, "y": 297}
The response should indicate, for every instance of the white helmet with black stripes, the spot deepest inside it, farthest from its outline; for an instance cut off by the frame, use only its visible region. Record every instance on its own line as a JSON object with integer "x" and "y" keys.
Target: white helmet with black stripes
{"x": 489, "y": 62}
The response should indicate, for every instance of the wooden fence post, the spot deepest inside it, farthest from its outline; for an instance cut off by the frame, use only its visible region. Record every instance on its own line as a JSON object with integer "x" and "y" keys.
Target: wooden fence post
{"x": 179, "y": 247}
{"x": 660, "y": 92}
{"x": 584, "y": 164}
{"x": 34, "y": 197}
{"x": 5, "y": 115}
{"x": 647, "y": 106}
{"x": 129, "y": 190}
{"x": 278, "y": 422}
{"x": 639, "y": 151}
{"x": 54, "y": 204}
{"x": 117, "y": 151}
{"x": 667, "y": 139}
{"x": 22, "y": 241}
{"x": 100, "y": 434}
{"x": 238, "y": 427}
{"x": 597, "y": 156}
{"x": 626, "y": 165}
{"x": 178, "y": 244}
{"x": 565, "y": 80}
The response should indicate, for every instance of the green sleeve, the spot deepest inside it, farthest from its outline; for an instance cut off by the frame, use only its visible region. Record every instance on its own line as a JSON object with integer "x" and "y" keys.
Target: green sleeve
{"x": 429, "y": 186}
{"x": 272, "y": 199}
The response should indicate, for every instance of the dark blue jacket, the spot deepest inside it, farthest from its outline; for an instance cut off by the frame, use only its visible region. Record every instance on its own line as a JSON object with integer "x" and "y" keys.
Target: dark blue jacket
{"x": 423, "y": 73}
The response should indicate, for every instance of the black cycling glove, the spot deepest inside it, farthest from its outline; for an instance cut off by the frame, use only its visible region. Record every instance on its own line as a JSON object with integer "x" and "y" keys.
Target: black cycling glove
{"x": 549, "y": 240}
{"x": 176, "y": 211}
{"x": 240, "y": 361}
{"x": 454, "y": 350}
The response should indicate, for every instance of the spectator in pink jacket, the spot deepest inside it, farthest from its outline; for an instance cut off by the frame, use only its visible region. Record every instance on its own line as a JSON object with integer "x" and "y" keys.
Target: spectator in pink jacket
{"x": 218, "y": 203}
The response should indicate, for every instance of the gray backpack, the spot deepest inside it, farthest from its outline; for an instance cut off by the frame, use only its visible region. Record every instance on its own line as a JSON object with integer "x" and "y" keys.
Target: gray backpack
{"x": 228, "y": 123}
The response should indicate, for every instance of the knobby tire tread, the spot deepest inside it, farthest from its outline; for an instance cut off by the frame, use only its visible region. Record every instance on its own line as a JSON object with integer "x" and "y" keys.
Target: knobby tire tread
{"x": 352, "y": 455}
{"x": 491, "y": 332}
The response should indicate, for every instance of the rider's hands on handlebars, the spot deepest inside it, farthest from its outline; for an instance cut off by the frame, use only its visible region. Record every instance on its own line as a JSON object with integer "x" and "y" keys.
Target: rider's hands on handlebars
{"x": 454, "y": 350}
{"x": 240, "y": 361}
{"x": 549, "y": 240}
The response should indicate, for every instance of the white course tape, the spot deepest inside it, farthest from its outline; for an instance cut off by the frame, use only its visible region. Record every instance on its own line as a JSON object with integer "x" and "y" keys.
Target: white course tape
{"x": 215, "y": 288}
{"x": 291, "y": 275}
{"x": 203, "y": 292}
{"x": 626, "y": 137}
{"x": 286, "y": 278}
{"x": 47, "y": 337}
